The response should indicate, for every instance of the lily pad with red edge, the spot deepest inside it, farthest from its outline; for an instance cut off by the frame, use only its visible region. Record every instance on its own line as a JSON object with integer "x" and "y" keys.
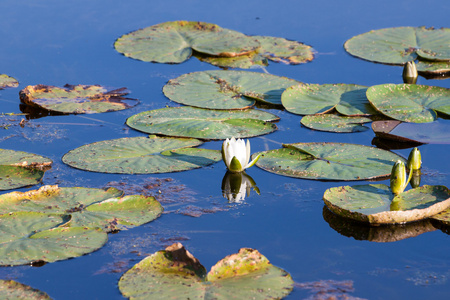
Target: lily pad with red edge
{"x": 76, "y": 99}
{"x": 174, "y": 271}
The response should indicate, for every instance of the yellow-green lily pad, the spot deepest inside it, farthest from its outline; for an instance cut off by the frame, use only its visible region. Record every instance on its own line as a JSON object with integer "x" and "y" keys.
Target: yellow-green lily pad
{"x": 175, "y": 272}
{"x": 7, "y": 82}
{"x": 10, "y": 289}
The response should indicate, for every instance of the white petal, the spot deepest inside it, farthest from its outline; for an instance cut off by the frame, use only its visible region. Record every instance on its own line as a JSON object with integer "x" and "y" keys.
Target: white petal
{"x": 247, "y": 156}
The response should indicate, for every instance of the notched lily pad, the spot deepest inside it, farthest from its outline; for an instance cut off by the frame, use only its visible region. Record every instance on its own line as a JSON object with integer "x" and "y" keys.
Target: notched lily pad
{"x": 335, "y": 123}
{"x": 19, "y": 169}
{"x": 7, "y": 82}
{"x": 200, "y": 123}
{"x": 27, "y": 237}
{"x": 174, "y": 42}
{"x": 437, "y": 132}
{"x": 410, "y": 102}
{"x": 328, "y": 161}
{"x": 141, "y": 155}
{"x": 10, "y": 289}
{"x": 376, "y": 204}
{"x": 310, "y": 99}
{"x": 175, "y": 271}
{"x": 76, "y": 99}
{"x": 227, "y": 89}
{"x": 88, "y": 207}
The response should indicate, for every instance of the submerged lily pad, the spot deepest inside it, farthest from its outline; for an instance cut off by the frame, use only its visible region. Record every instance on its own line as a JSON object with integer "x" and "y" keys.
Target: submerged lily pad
{"x": 425, "y": 133}
{"x": 410, "y": 102}
{"x": 200, "y": 123}
{"x": 174, "y": 42}
{"x": 401, "y": 44}
{"x": 141, "y": 155}
{"x": 7, "y": 82}
{"x": 27, "y": 237}
{"x": 227, "y": 89}
{"x": 76, "y": 99}
{"x": 335, "y": 123}
{"x": 310, "y": 99}
{"x": 328, "y": 161}
{"x": 175, "y": 273}
{"x": 272, "y": 48}
{"x": 19, "y": 169}
{"x": 87, "y": 207}
{"x": 376, "y": 204}
{"x": 10, "y": 289}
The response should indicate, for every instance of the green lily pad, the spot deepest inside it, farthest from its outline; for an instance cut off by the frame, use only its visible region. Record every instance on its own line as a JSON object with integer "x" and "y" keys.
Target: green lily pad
{"x": 200, "y": 123}
{"x": 7, "y": 82}
{"x": 76, "y": 99}
{"x": 27, "y": 237}
{"x": 328, "y": 161}
{"x": 10, "y": 289}
{"x": 310, "y": 99}
{"x": 227, "y": 89}
{"x": 443, "y": 217}
{"x": 19, "y": 169}
{"x": 87, "y": 207}
{"x": 433, "y": 67}
{"x": 141, "y": 155}
{"x": 174, "y": 42}
{"x": 175, "y": 273}
{"x": 376, "y": 204}
{"x": 437, "y": 132}
{"x": 401, "y": 44}
{"x": 410, "y": 102}
{"x": 272, "y": 48}
{"x": 335, "y": 123}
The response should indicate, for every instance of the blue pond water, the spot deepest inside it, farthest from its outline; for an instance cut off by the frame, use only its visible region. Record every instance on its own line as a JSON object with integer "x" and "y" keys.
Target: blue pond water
{"x": 59, "y": 42}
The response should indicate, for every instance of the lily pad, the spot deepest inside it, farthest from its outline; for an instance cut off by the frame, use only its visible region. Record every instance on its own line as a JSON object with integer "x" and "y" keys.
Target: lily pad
{"x": 310, "y": 99}
{"x": 376, "y": 204}
{"x": 401, "y": 44}
{"x": 335, "y": 123}
{"x": 410, "y": 102}
{"x": 203, "y": 123}
{"x": 76, "y": 99}
{"x": 10, "y": 289}
{"x": 443, "y": 217}
{"x": 272, "y": 48}
{"x": 27, "y": 237}
{"x": 87, "y": 207}
{"x": 174, "y": 42}
{"x": 175, "y": 273}
{"x": 227, "y": 89}
{"x": 141, "y": 155}
{"x": 433, "y": 67}
{"x": 437, "y": 132}
{"x": 19, "y": 169}
{"x": 328, "y": 161}
{"x": 7, "y": 82}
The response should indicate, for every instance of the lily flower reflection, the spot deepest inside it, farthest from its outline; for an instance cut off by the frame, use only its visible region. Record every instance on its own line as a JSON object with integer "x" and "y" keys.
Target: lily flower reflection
{"x": 236, "y": 154}
{"x": 236, "y": 186}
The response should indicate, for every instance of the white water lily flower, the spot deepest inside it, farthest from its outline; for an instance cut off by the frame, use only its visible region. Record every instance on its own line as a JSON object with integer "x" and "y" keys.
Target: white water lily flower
{"x": 236, "y": 154}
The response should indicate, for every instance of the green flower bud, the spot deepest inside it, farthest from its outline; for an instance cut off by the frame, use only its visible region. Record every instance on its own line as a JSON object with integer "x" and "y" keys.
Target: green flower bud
{"x": 414, "y": 160}
{"x": 398, "y": 178}
{"x": 410, "y": 73}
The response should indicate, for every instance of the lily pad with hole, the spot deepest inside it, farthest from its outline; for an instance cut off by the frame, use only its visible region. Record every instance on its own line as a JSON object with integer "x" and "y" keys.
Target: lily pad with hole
{"x": 176, "y": 273}
{"x": 29, "y": 237}
{"x": 410, "y": 102}
{"x": 310, "y": 99}
{"x": 141, "y": 155}
{"x": 88, "y": 207}
{"x": 272, "y": 49}
{"x": 335, "y": 123}
{"x": 399, "y": 45}
{"x": 19, "y": 169}
{"x": 200, "y": 123}
{"x": 175, "y": 41}
{"x": 328, "y": 161}
{"x": 376, "y": 204}
{"x": 437, "y": 132}
{"x": 227, "y": 89}
{"x": 10, "y": 289}
{"x": 76, "y": 99}
{"x": 7, "y": 82}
